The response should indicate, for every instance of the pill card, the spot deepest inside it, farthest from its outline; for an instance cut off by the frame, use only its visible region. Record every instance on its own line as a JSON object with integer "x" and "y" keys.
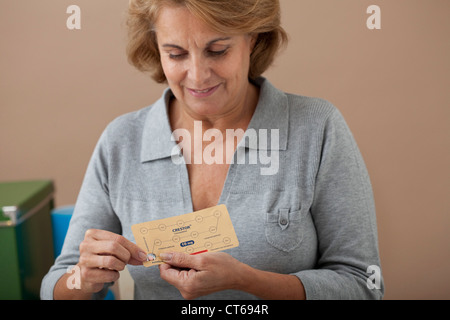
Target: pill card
{"x": 207, "y": 230}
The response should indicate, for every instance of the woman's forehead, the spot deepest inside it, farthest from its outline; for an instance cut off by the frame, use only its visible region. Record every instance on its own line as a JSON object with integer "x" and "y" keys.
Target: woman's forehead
{"x": 178, "y": 26}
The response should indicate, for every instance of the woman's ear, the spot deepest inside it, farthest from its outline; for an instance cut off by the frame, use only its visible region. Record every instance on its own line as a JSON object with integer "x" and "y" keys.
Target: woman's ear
{"x": 253, "y": 39}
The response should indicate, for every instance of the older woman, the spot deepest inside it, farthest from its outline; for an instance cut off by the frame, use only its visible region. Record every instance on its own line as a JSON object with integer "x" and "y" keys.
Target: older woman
{"x": 306, "y": 229}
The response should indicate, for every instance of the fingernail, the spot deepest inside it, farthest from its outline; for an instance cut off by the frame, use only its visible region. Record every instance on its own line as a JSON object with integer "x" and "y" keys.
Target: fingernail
{"x": 142, "y": 256}
{"x": 166, "y": 256}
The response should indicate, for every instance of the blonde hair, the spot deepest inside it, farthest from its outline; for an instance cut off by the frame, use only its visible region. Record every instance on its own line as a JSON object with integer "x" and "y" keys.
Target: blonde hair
{"x": 232, "y": 17}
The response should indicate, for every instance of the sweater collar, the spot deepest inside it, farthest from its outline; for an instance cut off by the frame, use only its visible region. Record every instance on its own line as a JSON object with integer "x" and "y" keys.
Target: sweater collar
{"x": 271, "y": 113}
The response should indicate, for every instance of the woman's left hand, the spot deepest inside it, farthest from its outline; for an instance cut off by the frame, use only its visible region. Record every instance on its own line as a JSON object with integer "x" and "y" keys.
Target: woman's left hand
{"x": 198, "y": 275}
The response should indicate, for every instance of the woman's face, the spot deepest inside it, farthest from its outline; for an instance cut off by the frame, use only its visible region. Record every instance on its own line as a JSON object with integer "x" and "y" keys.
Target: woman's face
{"x": 207, "y": 71}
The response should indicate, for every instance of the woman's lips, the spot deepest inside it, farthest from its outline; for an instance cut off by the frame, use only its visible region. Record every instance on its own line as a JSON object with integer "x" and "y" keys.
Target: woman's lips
{"x": 203, "y": 93}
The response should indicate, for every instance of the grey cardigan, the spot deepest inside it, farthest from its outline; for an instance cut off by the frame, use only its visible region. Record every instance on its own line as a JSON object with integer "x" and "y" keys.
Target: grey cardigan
{"x": 314, "y": 217}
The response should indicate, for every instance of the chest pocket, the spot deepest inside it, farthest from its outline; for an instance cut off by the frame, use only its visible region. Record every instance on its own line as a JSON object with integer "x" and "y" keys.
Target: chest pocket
{"x": 284, "y": 229}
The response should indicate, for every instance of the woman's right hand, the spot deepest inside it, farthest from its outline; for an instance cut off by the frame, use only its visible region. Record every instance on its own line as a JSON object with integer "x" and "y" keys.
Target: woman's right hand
{"x": 102, "y": 255}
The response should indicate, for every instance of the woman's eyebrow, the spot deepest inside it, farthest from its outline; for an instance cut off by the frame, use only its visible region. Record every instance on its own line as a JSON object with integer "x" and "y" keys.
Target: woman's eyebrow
{"x": 217, "y": 40}
{"x": 168, "y": 45}
{"x": 174, "y": 46}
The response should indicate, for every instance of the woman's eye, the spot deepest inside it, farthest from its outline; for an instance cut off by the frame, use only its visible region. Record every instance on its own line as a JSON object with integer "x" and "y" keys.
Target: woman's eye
{"x": 177, "y": 56}
{"x": 217, "y": 53}
{"x": 211, "y": 53}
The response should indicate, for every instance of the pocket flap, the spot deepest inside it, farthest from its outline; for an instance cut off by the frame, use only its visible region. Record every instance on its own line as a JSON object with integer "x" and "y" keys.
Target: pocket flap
{"x": 283, "y": 218}
{"x": 284, "y": 229}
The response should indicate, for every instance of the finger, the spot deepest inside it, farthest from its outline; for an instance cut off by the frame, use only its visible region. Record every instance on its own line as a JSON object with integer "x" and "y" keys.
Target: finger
{"x": 137, "y": 256}
{"x": 166, "y": 271}
{"x": 108, "y": 247}
{"x": 182, "y": 260}
{"x": 174, "y": 275}
{"x": 95, "y": 275}
{"x": 135, "y": 262}
{"x": 98, "y": 234}
{"x": 107, "y": 262}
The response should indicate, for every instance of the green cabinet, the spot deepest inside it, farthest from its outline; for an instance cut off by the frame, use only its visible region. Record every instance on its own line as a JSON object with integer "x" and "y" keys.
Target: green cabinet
{"x": 26, "y": 244}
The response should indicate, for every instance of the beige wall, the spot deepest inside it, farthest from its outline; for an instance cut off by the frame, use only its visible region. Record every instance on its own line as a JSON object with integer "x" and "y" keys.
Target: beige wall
{"x": 60, "y": 88}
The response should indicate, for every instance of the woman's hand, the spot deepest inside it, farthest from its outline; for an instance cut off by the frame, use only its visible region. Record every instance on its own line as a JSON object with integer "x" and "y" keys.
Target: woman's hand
{"x": 102, "y": 255}
{"x": 198, "y": 275}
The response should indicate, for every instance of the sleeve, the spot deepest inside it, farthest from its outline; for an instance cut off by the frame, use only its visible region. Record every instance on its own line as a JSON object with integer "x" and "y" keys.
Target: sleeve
{"x": 343, "y": 211}
{"x": 93, "y": 210}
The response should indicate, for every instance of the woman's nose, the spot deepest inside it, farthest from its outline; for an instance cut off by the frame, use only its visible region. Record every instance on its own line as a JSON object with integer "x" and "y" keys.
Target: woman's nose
{"x": 199, "y": 71}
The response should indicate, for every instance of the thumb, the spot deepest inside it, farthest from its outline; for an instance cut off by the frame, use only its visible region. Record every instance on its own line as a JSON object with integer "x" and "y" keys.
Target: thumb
{"x": 180, "y": 260}
{"x": 137, "y": 255}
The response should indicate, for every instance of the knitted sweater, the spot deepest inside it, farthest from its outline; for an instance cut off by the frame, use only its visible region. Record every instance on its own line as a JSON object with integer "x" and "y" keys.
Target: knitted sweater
{"x": 312, "y": 216}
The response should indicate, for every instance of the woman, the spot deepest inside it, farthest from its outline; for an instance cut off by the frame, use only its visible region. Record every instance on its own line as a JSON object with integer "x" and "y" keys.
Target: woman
{"x": 307, "y": 229}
